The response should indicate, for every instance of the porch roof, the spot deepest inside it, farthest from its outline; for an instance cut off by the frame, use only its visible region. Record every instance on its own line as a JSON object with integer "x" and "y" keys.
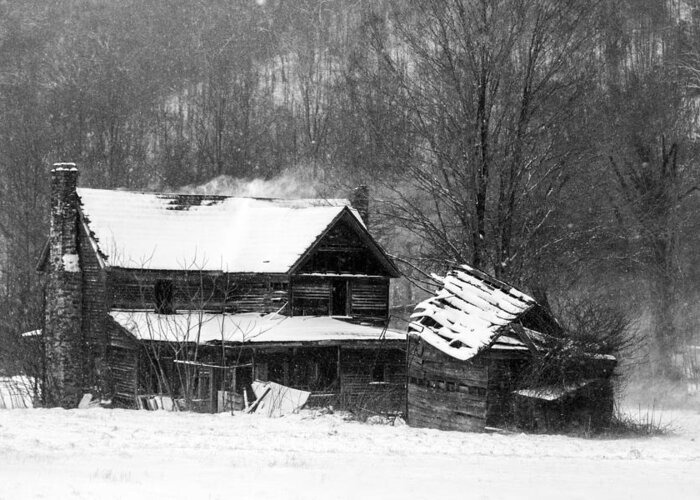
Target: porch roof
{"x": 203, "y": 327}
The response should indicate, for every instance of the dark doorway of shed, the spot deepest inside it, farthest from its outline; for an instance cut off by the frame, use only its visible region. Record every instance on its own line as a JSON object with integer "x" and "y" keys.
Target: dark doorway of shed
{"x": 339, "y": 305}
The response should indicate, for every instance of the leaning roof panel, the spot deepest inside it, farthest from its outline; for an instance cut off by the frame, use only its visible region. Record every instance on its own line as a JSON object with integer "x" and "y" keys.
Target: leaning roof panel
{"x": 204, "y": 233}
{"x": 468, "y": 313}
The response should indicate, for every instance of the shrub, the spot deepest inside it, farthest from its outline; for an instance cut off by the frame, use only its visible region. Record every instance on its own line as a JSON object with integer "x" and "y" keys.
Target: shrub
{"x": 590, "y": 330}
{"x": 571, "y": 374}
{"x": 645, "y": 423}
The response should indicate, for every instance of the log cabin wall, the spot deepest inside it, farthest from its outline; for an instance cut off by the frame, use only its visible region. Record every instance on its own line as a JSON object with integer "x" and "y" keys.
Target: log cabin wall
{"x": 373, "y": 379}
{"x": 443, "y": 392}
{"x": 217, "y": 292}
{"x": 122, "y": 372}
{"x": 94, "y": 312}
{"x": 311, "y": 296}
{"x": 341, "y": 277}
{"x": 363, "y": 298}
{"x": 369, "y": 299}
{"x": 123, "y": 368}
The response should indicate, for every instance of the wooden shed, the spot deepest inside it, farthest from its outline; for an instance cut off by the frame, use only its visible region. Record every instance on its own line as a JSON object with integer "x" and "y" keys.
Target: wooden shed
{"x": 469, "y": 347}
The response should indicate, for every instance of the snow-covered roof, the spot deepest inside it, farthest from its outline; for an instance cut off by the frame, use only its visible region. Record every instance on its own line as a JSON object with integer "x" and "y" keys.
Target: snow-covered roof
{"x": 205, "y": 233}
{"x": 200, "y": 327}
{"x": 468, "y": 313}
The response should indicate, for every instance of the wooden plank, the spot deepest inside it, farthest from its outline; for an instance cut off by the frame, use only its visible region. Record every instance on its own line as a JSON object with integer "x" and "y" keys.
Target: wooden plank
{"x": 446, "y": 401}
{"x": 453, "y": 421}
{"x": 469, "y": 393}
{"x": 441, "y": 416}
{"x": 253, "y": 407}
{"x": 202, "y": 290}
{"x": 477, "y": 378}
{"x": 442, "y": 378}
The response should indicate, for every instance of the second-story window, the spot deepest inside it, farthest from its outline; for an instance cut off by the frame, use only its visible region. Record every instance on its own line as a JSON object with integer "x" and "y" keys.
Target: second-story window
{"x": 339, "y": 298}
{"x": 163, "y": 296}
{"x": 380, "y": 373}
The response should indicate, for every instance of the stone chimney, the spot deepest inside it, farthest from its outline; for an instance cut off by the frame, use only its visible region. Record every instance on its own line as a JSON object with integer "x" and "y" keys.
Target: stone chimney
{"x": 359, "y": 199}
{"x": 62, "y": 331}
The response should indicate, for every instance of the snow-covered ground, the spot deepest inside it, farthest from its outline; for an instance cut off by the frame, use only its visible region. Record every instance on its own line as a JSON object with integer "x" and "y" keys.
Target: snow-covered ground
{"x": 98, "y": 453}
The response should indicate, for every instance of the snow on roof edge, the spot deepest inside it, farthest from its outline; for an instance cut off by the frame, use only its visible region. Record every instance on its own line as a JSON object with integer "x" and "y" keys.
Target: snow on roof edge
{"x": 205, "y": 328}
{"x": 469, "y": 313}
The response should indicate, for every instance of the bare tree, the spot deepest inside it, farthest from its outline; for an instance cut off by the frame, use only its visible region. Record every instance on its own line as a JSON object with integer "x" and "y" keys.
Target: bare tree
{"x": 489, "y": 89}
{"x": 650, "y": 115}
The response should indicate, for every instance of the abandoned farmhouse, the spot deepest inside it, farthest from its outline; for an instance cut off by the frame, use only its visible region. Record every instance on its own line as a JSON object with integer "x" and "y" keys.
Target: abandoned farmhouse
{"x": 196, "y": 296}
{"x": 199, "y": 299}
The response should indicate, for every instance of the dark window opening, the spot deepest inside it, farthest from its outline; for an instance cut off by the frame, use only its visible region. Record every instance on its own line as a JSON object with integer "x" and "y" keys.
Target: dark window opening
{"x": 313, "y": 372}
{"x": 340, "y": 298}
{"x": 276, "y": 370}
{"x": 164, "y": 291}
{"x": 326, "y": 374}
{"x": 380, "y": 373}
{"x": 310, "y": 307}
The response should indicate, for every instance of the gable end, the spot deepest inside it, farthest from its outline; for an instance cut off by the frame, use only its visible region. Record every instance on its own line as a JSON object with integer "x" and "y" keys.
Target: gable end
{"x": 343, "y": 240}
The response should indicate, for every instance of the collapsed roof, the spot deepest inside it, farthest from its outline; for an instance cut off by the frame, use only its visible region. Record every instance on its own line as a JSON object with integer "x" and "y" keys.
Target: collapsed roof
{"x": 206, "y": 233}
{"x": 472, "y": 311}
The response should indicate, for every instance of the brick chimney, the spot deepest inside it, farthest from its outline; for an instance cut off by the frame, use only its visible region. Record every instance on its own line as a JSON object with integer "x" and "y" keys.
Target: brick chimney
{"x": 62, "y": 332}
{"x": 359, "y": 199}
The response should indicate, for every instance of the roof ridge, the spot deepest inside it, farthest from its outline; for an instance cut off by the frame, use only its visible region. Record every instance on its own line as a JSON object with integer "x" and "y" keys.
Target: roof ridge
{"x": 212, "y": 196}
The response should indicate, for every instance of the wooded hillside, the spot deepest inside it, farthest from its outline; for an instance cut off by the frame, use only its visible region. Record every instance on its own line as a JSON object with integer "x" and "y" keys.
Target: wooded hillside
{"x": 553, "y": 143}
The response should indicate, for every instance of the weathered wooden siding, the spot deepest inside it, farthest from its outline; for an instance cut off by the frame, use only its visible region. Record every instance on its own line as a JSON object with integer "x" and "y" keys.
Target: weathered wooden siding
{"x": 251, "y": 294}
{"x": 342, "y": 251}
{"x": 123, "y": 367}
{"x": 310, "y": 296}
{"x": 445, "y": 393}
{"x": 198, "y": 290}
{"x": 369, "y": 298}
{"x": 94, "y": 312}
{"x": 373, "y": 379}
{"x": 121, "y": 372}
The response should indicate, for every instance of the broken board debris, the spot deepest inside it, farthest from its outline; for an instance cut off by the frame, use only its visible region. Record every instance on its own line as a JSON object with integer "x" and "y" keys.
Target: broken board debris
{"x": 276, "y": 400}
